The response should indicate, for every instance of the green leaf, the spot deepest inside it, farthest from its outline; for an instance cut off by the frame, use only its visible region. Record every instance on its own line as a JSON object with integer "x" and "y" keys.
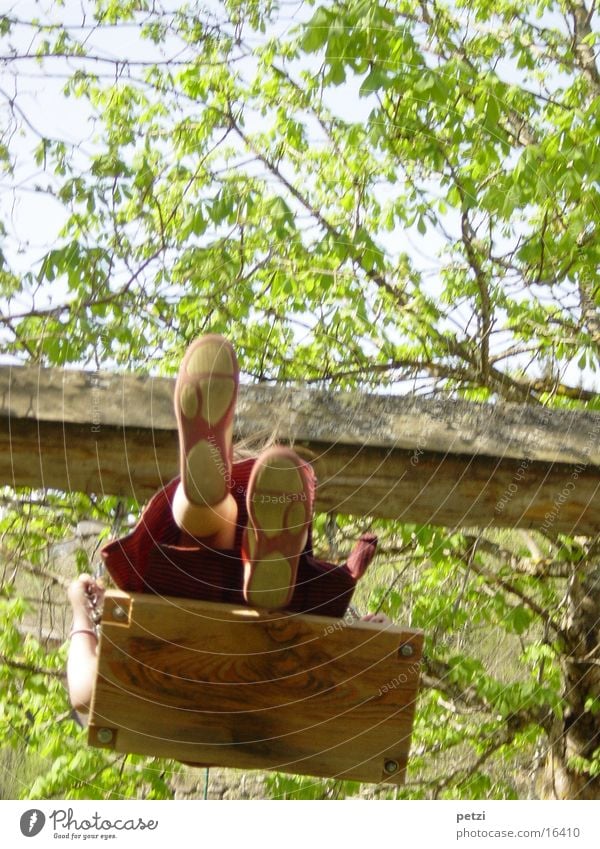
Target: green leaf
{"x": 376, "y": 79}
{"x": 519, "y": 619}
{"x": 316, "y": 31}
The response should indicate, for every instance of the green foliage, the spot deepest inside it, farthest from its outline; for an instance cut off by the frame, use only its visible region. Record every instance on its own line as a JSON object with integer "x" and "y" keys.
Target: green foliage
{"x": 35, "y": 717}
{"x": 296, "y": 787}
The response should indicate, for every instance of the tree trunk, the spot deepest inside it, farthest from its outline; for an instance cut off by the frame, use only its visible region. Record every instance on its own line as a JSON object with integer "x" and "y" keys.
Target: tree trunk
{"x": 575, "y": 740}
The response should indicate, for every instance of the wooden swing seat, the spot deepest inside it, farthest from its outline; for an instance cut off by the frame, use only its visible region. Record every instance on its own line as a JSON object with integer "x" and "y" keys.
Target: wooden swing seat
{"x": 216, "y": 685}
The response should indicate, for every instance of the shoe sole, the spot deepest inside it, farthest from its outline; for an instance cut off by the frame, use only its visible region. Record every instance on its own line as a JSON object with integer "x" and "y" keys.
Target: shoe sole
{"x": 279, "y": 513}
{"x": 205, "y": 396}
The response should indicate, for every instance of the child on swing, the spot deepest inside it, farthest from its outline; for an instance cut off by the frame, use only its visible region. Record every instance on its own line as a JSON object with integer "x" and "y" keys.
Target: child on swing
{"x": 224, "y": 530}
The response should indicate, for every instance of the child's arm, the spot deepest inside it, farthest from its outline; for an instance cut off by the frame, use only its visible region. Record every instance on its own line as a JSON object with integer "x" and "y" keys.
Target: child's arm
{"x": 84, "y": 594}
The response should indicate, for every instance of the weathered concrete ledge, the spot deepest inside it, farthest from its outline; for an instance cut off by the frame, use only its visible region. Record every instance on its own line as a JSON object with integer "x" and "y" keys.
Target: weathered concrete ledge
{"x": 447, "y": 462}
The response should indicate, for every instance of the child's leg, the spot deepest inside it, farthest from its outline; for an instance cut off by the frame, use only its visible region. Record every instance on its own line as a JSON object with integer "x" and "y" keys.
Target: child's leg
{"x": 215, "y": 524}
{"x": 280, "y": 500}
{"x": 205, "y": 396}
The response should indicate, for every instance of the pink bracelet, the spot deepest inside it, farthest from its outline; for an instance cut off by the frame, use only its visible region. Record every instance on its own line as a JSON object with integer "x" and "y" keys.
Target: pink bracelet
{"x": 83, "y": 631}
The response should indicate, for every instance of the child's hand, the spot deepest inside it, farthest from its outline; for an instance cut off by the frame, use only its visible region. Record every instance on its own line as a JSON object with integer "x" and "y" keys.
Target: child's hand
{"x": 376, "y": 618}
{"x": 85, "y": 594}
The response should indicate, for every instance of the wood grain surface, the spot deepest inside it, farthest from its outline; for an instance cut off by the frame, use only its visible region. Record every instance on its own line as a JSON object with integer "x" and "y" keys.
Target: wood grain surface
{"x": 444, "y": 462}
{"x": 222, "y": 686}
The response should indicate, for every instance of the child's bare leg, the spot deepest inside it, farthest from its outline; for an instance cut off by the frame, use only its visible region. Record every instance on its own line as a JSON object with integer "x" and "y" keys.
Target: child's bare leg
{"x": 205, "y": 396}
{"x": 217, "y": 522}
{"x": 84, "y": 594}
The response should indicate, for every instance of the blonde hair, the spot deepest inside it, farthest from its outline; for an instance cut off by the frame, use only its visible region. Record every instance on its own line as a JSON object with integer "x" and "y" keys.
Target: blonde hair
{"x": 251, "y": 446}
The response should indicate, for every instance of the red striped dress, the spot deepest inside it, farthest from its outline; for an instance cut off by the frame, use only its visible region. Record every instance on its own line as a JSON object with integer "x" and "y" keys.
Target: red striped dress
{"x": 156, "y": 557}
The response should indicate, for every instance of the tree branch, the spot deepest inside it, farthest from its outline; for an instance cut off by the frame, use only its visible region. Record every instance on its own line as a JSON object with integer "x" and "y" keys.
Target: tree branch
{"x": 584, "y": 52}
{"x": 33, "y": 670}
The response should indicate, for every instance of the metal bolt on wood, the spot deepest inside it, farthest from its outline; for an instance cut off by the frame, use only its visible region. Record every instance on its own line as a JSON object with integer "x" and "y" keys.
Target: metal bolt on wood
{"x": 391, "y": 766}
{"x": 407, "y": 650}
{"x": 119, "y": 613}
{"x": 105, "y": 735}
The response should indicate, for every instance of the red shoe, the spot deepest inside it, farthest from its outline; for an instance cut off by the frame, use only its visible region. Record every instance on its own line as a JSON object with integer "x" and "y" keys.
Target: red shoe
{"x": 280, "y": 504}
{"x": 205, "y": 396}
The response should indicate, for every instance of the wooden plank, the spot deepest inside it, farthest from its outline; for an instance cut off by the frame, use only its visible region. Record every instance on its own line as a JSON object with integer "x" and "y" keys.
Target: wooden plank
{"x": 211, "y": 684}
{"x": 449, "y": 463}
